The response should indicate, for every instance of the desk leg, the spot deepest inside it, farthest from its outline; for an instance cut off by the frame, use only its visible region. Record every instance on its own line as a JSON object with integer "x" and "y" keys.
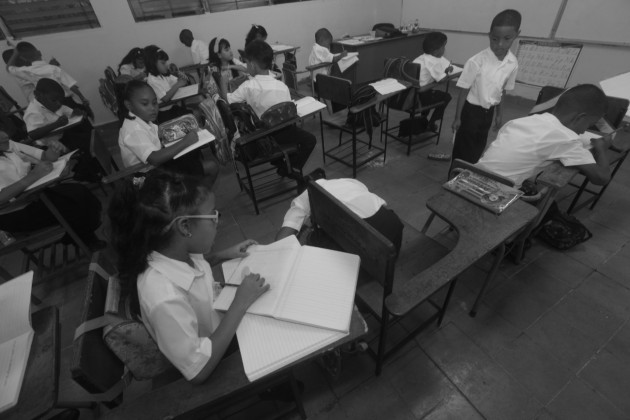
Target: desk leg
{"x": 386, "y": 131}
{"x": 489, "y": 277}
{"x": 65, "y": 224}
{"x": 354, "y": 151}
{"x": 321, "y": 129}
{"x": 297, "y": 396}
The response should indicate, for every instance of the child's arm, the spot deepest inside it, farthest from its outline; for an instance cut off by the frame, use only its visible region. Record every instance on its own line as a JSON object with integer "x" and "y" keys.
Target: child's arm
{"x": 498, "y": 114}
{"x": 599, "y": 172}
{"x": 237, "y": 251}
{"x": 463, "y": 94}
{"x": 42, "y": 131}
{"x": 252, "y": 287}
{"x": 41, "y": 169}
{"x": 165, "y": 154}
{"x": 173, "y": 90}
{"x": 339, "y": 56}
{"x": 13, "y": 60}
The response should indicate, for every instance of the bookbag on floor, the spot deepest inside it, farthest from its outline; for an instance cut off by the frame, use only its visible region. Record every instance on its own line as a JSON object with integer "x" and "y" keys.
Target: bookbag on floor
{"x": 561, "y": 230}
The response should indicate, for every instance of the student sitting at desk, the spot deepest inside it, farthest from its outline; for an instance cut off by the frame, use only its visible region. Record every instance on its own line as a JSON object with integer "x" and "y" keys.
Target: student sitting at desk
{"x": 163, "y": 83}
{"x": 524, "y": 146}
{"x": 161, "y": 230}
{"x": 354, "y": 195}
{"x": 20, "y": 166}
{"x": 26, "y": 84}
{"x": 223, "y": 64}
{"x": 198, "y": 48}
{"x": 263, "y": 91}
{"x": 133, "y": 64}
{"x": 256, "y": 33}
{"x": 321, "y": 53}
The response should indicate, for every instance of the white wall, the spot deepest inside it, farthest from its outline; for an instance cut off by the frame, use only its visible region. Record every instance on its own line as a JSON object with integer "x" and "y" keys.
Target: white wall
{"x": 85, "y": 54}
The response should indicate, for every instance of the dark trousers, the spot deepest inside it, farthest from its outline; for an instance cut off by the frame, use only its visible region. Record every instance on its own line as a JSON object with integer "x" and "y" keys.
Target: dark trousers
{"x": 472, "y": 135}
{"x": 76, "y": 204}
{"x": 387, "y": 222}
{"x": 303, "y": 140}
{"x": 78, "y": 137}
{"x": 431, "y": 97}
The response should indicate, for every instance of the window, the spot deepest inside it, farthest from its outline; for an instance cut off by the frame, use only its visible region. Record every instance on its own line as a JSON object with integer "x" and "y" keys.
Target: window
{"x": 34, "y": 17}
{"x": 143, "y": 10}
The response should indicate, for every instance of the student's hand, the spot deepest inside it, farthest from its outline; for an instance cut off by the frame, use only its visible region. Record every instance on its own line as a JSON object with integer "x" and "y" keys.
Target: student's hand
{"x": 61, "y": 121}
{"x": 449, "y": 69}
{"x": 214, "y": 69}
{"x": 239, "y": 250}
{"x": 251, "y": 288}
{"x": 190, "y": 138}
{"x": 57, "y": 147}
{"x": 343, "y": 54}
{"x": 456, "y": 123}
{"x": 77, "y": 112}
{"x": 181, "y": 83}
{"x": 41, "y": 169}
{"x": 621, "y": 141}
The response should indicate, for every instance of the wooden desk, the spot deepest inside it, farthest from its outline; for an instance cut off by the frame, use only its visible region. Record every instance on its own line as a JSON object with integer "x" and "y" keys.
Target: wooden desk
{"x": 480, "y": 232}
{"x": 372, "y": 54}
{"x": 183, "y": 400}
{"x": 39, "y": 389}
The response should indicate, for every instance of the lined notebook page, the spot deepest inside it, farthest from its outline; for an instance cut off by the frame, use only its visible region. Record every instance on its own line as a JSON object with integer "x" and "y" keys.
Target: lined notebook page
{"x": 267, "y": 344}
{"x": 322, "y": 289}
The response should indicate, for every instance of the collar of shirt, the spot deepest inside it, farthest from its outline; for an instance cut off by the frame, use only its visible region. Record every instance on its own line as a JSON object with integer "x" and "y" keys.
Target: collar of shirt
{"x": 178, "y": 272}
{"x": 509, "y": 58}
{"x": 552, "y": 119}
{"x": 146, "y": 125}
{"x": 264, "y": 77}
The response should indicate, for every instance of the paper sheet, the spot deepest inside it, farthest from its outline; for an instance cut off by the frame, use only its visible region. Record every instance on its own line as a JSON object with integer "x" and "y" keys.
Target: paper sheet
{"x": 387, "y": 86}
{"x": 185, "y": 92}
{"x": 618, "y": 86}
{"x": 71, "y": 122}
{"x": 308, "y": 105}
{"x": 205, "y": 137}
{"x": 58, "y": 166}
{"x": 347, "y": 61}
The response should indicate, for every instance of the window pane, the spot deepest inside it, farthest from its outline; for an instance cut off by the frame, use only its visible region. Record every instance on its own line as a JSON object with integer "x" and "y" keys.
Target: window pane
{"x": 33, "y": 17}
{"x": 163, "y": 9}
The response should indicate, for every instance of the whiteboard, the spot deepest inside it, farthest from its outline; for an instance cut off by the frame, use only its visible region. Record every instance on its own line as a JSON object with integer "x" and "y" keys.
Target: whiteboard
{"x": 477, "y": 15}
{"x": 595, "y": 20}
{"x": 542, "y": 63}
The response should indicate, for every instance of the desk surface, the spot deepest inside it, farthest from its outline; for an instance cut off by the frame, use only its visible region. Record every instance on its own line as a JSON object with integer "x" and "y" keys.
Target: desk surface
{"x": 39, "y": 389}
{"x": 180, "y": 397}
{"x": 479, "y": 230}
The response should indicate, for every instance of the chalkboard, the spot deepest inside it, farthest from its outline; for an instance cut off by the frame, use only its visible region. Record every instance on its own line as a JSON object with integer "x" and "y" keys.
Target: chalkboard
{"x": 546, "y": 63}
{"x": 476, "y": 15}
{"x": 596, "y": 20}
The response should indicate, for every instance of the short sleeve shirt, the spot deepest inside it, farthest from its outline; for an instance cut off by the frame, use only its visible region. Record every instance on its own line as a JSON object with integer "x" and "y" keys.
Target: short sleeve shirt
{"x": 12, "y": 166}
{"x": 487, "y": 77}
{"x": 260, "y": 92}
{"x": 161, "y": 85}
{"x": 199, "y": 51}
{"x": 41, "y": 69}
{"x": 432, "y": 69}
{"x": 137, "y": 139}
{"x": 37, "y": 115}
{"x": 320, "y": 55}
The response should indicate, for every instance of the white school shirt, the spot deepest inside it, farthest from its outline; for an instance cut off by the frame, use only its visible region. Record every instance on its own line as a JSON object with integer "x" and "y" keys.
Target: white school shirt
{"x": 524, "y": 146}
{"x": 41, "y": 69}
{"x": 199, "y": 50}
{"x": 432, "y": 69}
{"x": 131, "y": 70}
{"x": 25, "y": 82}
{"x": 37, "y": 115}
{"x": 12, "y": 166}
{"x": 261, "y": 92}
{"x": 137, "y": 139}
{"x": 352, "y": 193}
{"x": 161, "y": 85}
{"x": 176, "y": 303}
{"x": 320, "y": 55}
{"x": 487, "y": 77}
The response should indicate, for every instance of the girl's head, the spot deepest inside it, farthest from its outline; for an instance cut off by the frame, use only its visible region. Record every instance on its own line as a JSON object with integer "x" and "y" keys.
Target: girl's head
{"x": 140, "y": 99}
{"x": 135, "y": 57}
{"x": 156, "y": 60}
{"x": 165, "y": 211}
{"x": 221, "y": 55}
{"x": 257, "y": 32}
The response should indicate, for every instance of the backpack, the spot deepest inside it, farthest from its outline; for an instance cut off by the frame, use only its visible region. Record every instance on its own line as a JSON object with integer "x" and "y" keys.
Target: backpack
{"x": 368, "y": 118}
{"x": 215, "y": 125}
{"x": 246, "y": 121}
{"x": 401, "y": 68}
{"x": 561, "y": 230}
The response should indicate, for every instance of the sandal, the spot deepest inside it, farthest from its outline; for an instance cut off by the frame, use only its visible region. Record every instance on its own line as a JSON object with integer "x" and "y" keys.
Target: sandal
{"x": 439, "y": 156}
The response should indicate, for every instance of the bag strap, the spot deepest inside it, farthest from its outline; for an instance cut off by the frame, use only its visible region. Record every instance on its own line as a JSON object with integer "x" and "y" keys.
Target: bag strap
{"x": 115, "y": 390}
{"x": 96, "y": 323}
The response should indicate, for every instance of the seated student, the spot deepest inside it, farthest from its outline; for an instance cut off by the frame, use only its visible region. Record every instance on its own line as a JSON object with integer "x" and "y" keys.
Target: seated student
{"x": 75, "y": 202}
{"x": 524, "y": 146}
{"x": 223, "y": 63}
{"x": 321, "y": 52}
{"x": 262, "y": 92}
{"x": 198, "y": 48}
{"x": 163, "y": 83}
{"x": 38, "y": 69}
{"x": 139, "y": 142}
{"x": 434, "y": 68}
{"x": 354, "y": 195}
{"x": 26, "y": 84}
{"x": 133, "y": 64}
{"x": 256, "y": 33}
{"x": 161, "y": 231}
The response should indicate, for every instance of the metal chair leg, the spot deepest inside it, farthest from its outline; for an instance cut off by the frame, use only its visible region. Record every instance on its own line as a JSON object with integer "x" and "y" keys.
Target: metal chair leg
{"x": 489, "y": 277}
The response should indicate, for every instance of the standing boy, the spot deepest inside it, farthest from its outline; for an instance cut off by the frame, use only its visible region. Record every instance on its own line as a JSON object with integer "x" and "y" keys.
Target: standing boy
{"x": 486, "y": 76}
{"x": 198, "y": 48}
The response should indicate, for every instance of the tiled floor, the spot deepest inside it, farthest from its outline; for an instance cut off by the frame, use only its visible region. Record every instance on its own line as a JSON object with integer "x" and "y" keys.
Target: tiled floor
{"x": 551, "y": 339}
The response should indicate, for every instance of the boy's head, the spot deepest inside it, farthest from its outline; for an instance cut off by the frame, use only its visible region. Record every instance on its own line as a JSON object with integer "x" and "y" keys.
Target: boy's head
{"x": 580, "y": 107}
{"x": 186, "y": 37}
{"x": 259, "y": 56}
{"x": 323, "y": 37}
{"x": 6, "y": 55}
{"x": 49, "y": 93}
{"x": 505, "y": 27}
{"x": 434, "y": 43}
{"x": 28, "y": 52}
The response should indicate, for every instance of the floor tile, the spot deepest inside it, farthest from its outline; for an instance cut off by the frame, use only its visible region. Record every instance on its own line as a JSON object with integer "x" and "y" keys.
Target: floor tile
{"x": 375, "y": 400}
{"x": 610, "y": 376}
{"x": 616, "y": 268}
{"x": 608, "y": 293}
{"x": 579, "y": 401}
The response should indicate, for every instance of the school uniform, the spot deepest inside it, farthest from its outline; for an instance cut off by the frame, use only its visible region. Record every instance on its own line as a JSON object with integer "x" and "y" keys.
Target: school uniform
{"x": 320, "y": 54}
{"x": 199, "y": 51}
{"x": 356, "y": 196}
{"x": 487, "y": 77}
{"x": 176, "y": 303}
{"x": 75, "y": 202}
{"x": 25, "y": 83}
{"x": 524, "y": 146}
{"x": 37, "y": 115}
{"x": 262, "y": 92}
{"x": 131, "y": 70}
{"x": 433, "y": 69}
{"x": 161, "y": 85}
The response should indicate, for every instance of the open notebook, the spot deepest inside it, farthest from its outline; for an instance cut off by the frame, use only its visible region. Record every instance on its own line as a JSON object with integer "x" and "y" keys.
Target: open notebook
{"x": 309, "y": 285}
{"x": 307, "y": 105}
{"x": 16, "y": 336}
{"x": 58, "y": 166}
{"x": 386, "y": 86}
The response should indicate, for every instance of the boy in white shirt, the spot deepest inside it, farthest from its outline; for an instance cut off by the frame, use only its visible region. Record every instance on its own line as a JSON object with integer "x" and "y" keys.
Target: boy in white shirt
{"x": 434, "y": 68}
{"x": 485, "y": 77}
{"x": 198, "y": 48}
{"x": 321, "y": 52}
{"x": 27, "y": 86}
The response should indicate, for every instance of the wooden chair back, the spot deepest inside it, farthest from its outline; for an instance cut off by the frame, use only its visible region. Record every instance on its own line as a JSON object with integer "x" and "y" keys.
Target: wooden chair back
{"x": 101, "y": 153}
{"x": 8, "y": 105}
{"x": 334, "y": 89}
{"x": 617, "y": 108}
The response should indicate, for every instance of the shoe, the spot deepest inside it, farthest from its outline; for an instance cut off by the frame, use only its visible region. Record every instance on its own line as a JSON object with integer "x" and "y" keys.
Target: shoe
{"x": 439, "y": 156}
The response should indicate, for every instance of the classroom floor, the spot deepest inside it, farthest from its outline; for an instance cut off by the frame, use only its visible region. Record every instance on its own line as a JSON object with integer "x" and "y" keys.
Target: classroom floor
{"x": 550, "y": 341}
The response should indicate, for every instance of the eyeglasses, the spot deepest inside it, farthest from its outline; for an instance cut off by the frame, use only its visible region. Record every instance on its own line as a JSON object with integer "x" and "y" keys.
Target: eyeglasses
{"x": 214, "y": 217}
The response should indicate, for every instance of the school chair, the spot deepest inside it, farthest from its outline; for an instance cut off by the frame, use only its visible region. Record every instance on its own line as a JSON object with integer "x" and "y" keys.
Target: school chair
{"x": 8, "y": 105}
{"x": 380, "y": 267}
{"x": 107, "y": 91}
{"x": 110, "y": 74}
{"x": 409, "y": 103}
{"x": 290, "y": 75}
{"x": 110, "y": 168}
{"x": 312, "y": 69}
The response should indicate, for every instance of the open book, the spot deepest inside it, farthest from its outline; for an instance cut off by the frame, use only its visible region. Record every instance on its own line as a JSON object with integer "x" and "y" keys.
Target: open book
{"x": 483, "y": 191}
{"x": 205, "y": 137}
{"x": 308, "y": 105}
{"x": 347, "y": 61}
{"x": 185, "y": 92}
{"x": 72, "y": 121}
{"x": 309, "y": 285}
{"x": 386, "y": 86}
{"x": 16, "y": 336}
{"x": 58, "y": 166}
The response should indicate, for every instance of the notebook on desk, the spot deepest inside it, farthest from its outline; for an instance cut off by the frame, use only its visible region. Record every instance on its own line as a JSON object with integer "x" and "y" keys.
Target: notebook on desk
{"x": 58, "y": 166}
{"x": 309, "y": 285}
{"x": 483, "y": 191}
